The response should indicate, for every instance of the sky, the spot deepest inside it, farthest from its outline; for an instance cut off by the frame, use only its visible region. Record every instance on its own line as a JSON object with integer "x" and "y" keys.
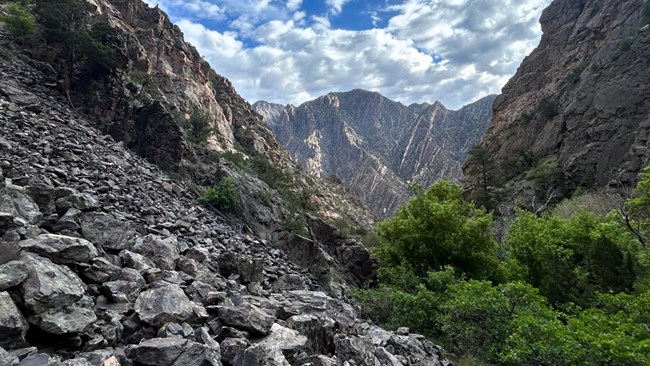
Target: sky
{"x": 412, "y": 51}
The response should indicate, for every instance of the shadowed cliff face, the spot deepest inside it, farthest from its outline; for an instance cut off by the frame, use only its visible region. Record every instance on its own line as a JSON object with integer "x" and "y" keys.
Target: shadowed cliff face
{"x": 580, "y": 101}
{"x": 376, "y": 146}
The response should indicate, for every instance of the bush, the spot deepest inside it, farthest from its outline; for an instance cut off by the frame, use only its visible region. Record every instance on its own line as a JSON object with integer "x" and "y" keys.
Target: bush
{"x": 20, "y": 22}
{"x": 269, "y": 173}
{"x": 238, "y": 159}
{"x": 197, "y": 128}
{"x": 224, "y": 195}
{"x": 438, "y": 228}
{"x": 548, "y": 108}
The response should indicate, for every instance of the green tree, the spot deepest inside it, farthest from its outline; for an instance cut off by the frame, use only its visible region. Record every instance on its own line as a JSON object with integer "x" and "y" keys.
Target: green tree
{"x": 437, "y": 228}
{"x": 224, "y": 195}
{"x": 20, "y": 22}
{"x": 197, "y": 128}
{"x": 570, "y": 260}
{"x": 485, "y": 177}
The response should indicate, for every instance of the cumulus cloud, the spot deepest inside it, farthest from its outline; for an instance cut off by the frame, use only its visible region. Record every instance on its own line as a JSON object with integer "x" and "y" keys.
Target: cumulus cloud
{"x": 455, "y": 51}
{"x": 336, "y": 5}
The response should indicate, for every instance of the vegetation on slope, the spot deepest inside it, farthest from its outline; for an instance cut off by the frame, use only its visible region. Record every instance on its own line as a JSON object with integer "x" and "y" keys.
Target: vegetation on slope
{"x": 555, "y": 291}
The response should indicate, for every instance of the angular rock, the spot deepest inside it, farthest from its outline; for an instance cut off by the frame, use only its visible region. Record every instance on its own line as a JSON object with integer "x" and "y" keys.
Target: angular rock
{"x": 136, "y": 261}
{"x": 12, "y": 274}
{"x": 13, "y": 325}
{"x": 101, "y": 270}
{"x": 230, "y": 347}
{"x": 318, "y": 330}
{"x": 163, "y": 252}
{"x": 55, "y": 297}
{"x": 74, "y": 318}
{"x": 8, "y": 251}
{"x": 60, "y": 249}
{"x": 157, "y": 351}
{"x": 357, "y": 349}
{"x": 120, "y": 291}
{"x": 19, "y": 204}
{"x": 198, "y": 354}
{"x": 247, "y": 317}
{"x": 81, "y": 201}
{"x": 106, "y": 231}
{"x": 166, "y": 304}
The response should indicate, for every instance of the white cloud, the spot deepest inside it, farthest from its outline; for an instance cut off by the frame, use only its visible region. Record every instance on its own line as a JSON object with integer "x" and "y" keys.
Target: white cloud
{"x": 336, "y": 5}
{"x": 297, "y": 57}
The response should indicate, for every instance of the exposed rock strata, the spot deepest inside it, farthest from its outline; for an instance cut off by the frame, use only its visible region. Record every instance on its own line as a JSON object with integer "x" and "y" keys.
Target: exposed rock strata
{"x": 376, "y": 146}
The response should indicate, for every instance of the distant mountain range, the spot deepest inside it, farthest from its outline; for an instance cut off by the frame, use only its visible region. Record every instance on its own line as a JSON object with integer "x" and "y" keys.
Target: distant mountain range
{"x": 376, "y": 146}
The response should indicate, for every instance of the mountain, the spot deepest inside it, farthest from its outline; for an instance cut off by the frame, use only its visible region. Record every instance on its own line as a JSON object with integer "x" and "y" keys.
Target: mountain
{"x": 110, "y": 252}
{"x": 377, "y": 146}
{"x": 576, "y": 113}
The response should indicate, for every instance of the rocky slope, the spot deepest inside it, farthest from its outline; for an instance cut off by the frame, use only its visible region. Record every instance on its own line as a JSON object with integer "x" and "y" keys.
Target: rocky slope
{"x": 156, "y": 81}
{"x": 376, "y": 146}
{"x": 106, "y": 260}
{"x": 576, "y": 113}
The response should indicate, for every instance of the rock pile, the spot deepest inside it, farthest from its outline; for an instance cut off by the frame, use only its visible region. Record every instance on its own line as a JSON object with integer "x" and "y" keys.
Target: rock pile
{"x": 105, "y": 260}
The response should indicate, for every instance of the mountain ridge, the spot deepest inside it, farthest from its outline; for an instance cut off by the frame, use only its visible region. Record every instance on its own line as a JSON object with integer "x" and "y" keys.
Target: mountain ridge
{"x": 377, "y": 146}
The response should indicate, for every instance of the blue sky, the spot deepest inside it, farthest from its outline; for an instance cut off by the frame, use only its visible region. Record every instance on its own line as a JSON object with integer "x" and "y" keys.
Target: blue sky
{"x": 291, "y": 51}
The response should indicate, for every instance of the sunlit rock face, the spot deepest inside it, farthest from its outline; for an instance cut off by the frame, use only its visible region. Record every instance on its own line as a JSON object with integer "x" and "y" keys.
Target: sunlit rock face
{"x": 377, "y": 146}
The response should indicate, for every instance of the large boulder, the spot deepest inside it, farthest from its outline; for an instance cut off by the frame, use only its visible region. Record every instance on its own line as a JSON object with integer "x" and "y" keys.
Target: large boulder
{"x": 247, "y": 317}
{"x": 163, "y": 252}
{"x": 162, "y": 305}
{"x": 55, "y": 297}
{"x": 173, "y": 352}
{"x": 12, "y": 274}
{"x": 106, "y": 231}
{"x": 61, "y": 249}
{"x": 13, "y": 325}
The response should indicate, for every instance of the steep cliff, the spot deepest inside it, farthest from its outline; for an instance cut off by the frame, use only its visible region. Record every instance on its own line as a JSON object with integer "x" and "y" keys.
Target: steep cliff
{"x": 576, "y": 113}
{"x": 376, "y": 146}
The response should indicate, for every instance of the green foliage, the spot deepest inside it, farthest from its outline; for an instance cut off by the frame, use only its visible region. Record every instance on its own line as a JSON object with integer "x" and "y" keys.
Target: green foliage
{"x": 486, "y": 178}
{"x": 197, "y": 128}
{"x": 526, "y": 118}
{"x": 20, "y": 22}
{"x": 269, "y": 173}
{"x": 439, "y": 228}
{"x": 224, "y": 195}
{"x": 64, "y": 22}
{"x": 570, "y": 260}
{"x": 588, "y": 265}
{"x": 266, "y": 197}
{"x": 598, "y": 203}
{"x": 150, "y": 86}
{"x": 547, "y": 174}
{"x": 574, "y": 75}
{"x": 236, "y": 158}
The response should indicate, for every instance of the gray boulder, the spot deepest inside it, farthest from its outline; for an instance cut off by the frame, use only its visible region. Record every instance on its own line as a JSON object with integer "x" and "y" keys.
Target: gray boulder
{"x": 60, "y": 249}
{"x": 106, "y": 231}
{"x": 55, "y": 297}
{"x": 81, "y": 201}
{"x": 12, "y": 274}
{"x": 166, "y": 304}
{"x": 163, "y": 252}
{"x": 13, "y": 325}
{"x": 157, "y": 351}
{"x": 319, "y": 332}
{"x": 247, "y": 317}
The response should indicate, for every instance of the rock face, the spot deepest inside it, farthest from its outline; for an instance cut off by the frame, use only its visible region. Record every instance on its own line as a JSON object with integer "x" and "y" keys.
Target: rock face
{"x": 579, "y": 103}
{"x": 376, "y": 146}
{"x": 101, "y": 263}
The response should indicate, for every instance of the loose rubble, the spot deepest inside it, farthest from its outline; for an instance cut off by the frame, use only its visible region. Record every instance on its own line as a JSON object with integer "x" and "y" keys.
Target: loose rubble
{"x": 101, "y": 265}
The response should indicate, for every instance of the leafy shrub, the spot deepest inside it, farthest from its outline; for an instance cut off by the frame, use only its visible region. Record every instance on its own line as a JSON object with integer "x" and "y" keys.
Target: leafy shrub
{"x": 238, "y": 159}
{"x": 224, "y": 195}
{"x": 574, "y": 75}
{"x": 269, "y": 173}
{"x": 437, "y": 228}
{"x": 267, "y": 198}
{"x": 20, "y": 22}
{"x": 197, "y": 128}
{"x": 150, "y": 86}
